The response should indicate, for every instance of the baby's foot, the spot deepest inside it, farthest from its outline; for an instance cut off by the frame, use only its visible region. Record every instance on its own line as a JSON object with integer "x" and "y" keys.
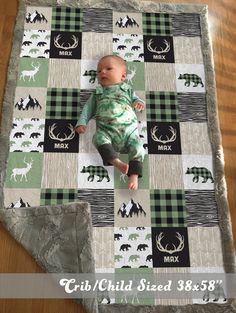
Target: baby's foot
{"x": 122, "y": 167}
{"x": 133, "y": 182}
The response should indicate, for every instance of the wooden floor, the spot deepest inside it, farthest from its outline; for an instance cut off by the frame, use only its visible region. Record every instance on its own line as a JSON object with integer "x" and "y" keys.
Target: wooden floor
{"x": 222, "y": 19}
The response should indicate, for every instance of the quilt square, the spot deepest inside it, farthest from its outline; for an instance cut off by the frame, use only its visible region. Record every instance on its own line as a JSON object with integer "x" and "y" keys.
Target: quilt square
{"x": 65, "y": 169}
{"x": 157, "y": 24}
{"x": 195, "y": 138}
{"x": 96, "y": 45}
{"x": 168, "y": 166}
{"x": 201, "y": 208}
{"x": 88, "y": 78}
{"x": 62, "y": 103}
{"x": 192, "y": 107}
{"x": 93, "y": 174}
{"x": 163, "y": 138}
{"x": 38, "y": 18}
{"x": 32, "y": 73}
{"x": 60, "y": 136}
{"x": 135, "y": 75}
{"x": 198, "y": 172}
{"x": 64, "y": 73}
{"x": 132, "y": 209}
{"x": 85, "y": 140}
{"x": 134, "y": 296}
{"x": 168, "y": 208}
{"x": 186, "y": 24}
{"x": 57, "y": 196}
{"x": 102, "y": 205}
{"x": 158, "y": 49}
{"x": 162, "y": 106}
{"x": 170, "y": 247}
{"x": 30, "y": 102}
{"x": 121, "y": 180}
{"x": 160, "y": 77}
{"x": 27, "y": 135}
{"x": 188, "y": 50}
{"x": 24, "y": 170}
{"x": 21, "y": 198}
{"x": 66, "y": 19}
{"x": 36, "y": 44}
{"x": 133, "y": 247}
{"x": 129, "y": 47}
{"x": 205, "y": 247}
{"x": 97, "y": 20}
{"x": 65, "y": 45}
{"x": 103, "y": 245}
{"x": 190, "y": 78}
{"x": 131, "y": 23}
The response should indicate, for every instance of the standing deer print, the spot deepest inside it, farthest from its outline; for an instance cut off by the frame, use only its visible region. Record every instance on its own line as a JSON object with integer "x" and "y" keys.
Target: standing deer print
{"x": 21, "y": 171}
{"x": 30, "y": 73}
{"x": 131, "y": 74}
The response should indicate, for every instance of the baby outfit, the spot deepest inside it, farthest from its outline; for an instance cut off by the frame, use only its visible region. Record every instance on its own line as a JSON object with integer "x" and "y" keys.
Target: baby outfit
{"x": 116, "y": 124}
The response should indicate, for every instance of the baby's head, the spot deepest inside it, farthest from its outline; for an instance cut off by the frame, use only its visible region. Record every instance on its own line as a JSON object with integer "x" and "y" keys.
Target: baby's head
{"x": 111, "y": 70}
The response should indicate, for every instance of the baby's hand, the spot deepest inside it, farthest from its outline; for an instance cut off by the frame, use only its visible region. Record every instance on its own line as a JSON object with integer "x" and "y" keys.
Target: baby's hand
{"x": 81, "y": 129}
{"x": 138, "y": 105}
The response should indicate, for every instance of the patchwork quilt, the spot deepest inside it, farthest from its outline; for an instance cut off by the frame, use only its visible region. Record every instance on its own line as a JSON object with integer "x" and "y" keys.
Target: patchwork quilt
{"x": 170, "y": 224}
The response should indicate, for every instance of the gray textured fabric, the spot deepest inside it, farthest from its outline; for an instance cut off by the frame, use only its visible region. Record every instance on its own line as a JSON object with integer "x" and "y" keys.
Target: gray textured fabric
{"x": 42, "y": 230}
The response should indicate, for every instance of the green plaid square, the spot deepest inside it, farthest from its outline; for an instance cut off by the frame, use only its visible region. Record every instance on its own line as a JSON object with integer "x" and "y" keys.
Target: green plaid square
{"x": 63, "y": 103}
{"x": 168, "y": 208}
{"x": 57, "y": 196}
{"x": 66, "y": 19}
{"x": 157, "y": 24}
{"x": 162, "y": 106}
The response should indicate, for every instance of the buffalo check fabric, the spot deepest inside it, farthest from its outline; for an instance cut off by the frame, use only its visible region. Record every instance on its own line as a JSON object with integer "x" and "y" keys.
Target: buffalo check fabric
{"x": 162, "y": 106}
{"x": 57, "y": 196}
{"x": 66, "y": 19}
{"x": 62, "y": 103}
{"x": 49, "y": 163}
{"x": 157, "y": 24}
{"x": 168, "y": 208}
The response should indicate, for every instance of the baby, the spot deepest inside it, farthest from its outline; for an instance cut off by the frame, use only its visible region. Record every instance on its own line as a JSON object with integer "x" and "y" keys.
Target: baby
{"x": 113, "y": 106}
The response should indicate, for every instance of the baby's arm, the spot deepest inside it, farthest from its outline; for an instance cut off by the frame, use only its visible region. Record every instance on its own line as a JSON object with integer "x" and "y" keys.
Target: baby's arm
{"x": 86, "y": 115}
{"x": 137, "y": 104}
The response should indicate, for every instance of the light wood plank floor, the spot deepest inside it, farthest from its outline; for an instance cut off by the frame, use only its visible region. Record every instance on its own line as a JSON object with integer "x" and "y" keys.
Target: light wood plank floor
{"x": 222, "y": 17}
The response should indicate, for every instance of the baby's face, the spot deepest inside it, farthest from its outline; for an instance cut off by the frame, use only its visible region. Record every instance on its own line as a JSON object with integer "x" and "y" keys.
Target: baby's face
{"x": 110, "y": 71}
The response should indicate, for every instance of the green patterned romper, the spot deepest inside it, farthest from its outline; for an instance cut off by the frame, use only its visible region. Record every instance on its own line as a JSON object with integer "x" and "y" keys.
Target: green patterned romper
{"x": 116, "y": 124}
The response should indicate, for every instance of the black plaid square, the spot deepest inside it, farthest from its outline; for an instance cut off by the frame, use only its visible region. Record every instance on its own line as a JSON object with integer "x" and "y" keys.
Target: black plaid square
{"x": 63, "y": 103}
{"x": 168, "y": 208}
{"x": 57, "y": 196}
{"x": 157, "y": 24}
{"x": 162, "y": 106}
{"x": 66, "y": 19}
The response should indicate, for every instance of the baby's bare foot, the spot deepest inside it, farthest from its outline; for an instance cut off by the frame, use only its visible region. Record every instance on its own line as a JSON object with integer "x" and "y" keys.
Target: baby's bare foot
{"x": 122, "y": 167}
{"x": 133, "y": 182}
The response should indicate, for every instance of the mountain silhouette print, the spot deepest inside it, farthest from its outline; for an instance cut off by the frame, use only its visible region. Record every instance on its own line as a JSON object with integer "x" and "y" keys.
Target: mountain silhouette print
{"x": 130, "y": 209}
{"x": 35, "y": 17}
{"x": 28, "y": 103}
{"x": 126, "y": 22}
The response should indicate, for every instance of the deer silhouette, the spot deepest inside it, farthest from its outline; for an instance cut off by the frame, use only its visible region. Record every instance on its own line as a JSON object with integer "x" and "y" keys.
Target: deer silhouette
{"x": 21, "y": 171}
{"x": 30, "y": 73}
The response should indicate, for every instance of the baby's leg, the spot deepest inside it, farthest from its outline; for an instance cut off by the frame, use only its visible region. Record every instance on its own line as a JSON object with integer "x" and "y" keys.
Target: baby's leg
{"x": 133, "y": 182}
{"x": 136, "y": 157}
{"x": 103, "y": 143}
